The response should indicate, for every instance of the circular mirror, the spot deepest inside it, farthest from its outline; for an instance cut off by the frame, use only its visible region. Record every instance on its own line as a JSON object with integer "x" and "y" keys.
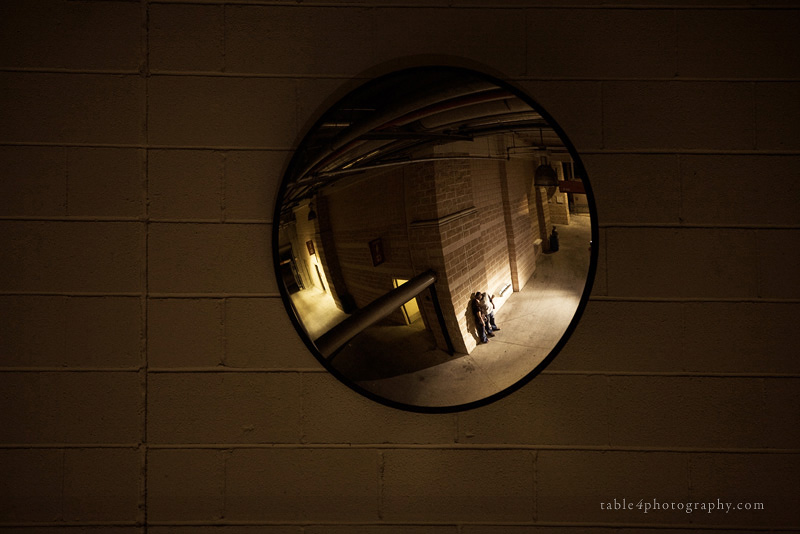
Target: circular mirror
{"x": 433, "y": 239}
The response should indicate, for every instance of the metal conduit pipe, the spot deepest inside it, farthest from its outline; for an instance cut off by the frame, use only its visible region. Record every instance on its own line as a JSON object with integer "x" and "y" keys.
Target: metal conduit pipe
{"x": 496, "y": 106}
{"x": 495, "y": 110}
{"x": 373, "y": 312}
{"x": 412, "y": 104}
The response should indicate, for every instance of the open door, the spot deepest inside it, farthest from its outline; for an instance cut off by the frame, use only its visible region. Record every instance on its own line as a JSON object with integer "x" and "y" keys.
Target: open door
{"x": 411, "y": 308}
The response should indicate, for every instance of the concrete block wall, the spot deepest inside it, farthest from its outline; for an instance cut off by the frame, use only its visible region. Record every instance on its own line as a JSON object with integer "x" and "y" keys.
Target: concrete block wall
{"x": 151, "y": 381}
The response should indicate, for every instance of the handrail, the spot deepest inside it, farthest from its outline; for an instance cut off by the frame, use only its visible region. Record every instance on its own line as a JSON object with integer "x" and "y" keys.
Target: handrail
{"x": 373, "y": 312}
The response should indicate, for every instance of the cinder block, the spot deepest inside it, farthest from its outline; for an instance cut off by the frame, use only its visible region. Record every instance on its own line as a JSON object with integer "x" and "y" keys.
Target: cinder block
{"x": 464, "y": 485}
{"x": 616, "y": 336}
{"x": 722, "y": 190}
{"x": 716, "y": 337}
{"x": 105, "y": 332}
{"x": 308, "y": 484}
{"x": 186, "y": 184}
{"x": 224, "y": 408}
{"x": 248, "y": 259}
{"x": 33, "y": 330}
{"x": 91, "y": 407}
{"x": 105, "y": 181}
{"x": 600, "y": 281}
{"x": 520, "y": 529}
{"x": 258, "y": 333}
{"x": 576, "y": 107}
{"x": 484, "y": 36}
{"x": 582, "y": 484}
{"x": 601, "y": 43}
{"x": 383, "y": 529}
{"x": 688, "y": 262}
{"x": 185, "y": 332}
{"x": 229, "y": 529}
{"x": 251, "y": 183}
{"x": 185, "y": 484}
{"x": 777, "y": 107}
{"x": 758, "y": 337}
{"x": 221, "y": 111}
{"x": 186, "y": 38}
{"x": 72, "y": 256}
{"x": 102, "y": 484}
{"x": 758, "y": 43}
{"x": 677, "y": 115}
{"x": 188, "y": 258}
{"x": 33, "y": 181}
{"x": 778, "y": 263}
{"x": 70, "y": 331}
{"x": 71, "y": 407}
{"x": 686, "y": 412}
{"x": 110, "y": 529}
{"x": 72, "y": 108}
{"x": 31, "y": 485}
{"x": 333, "y": 413}
{"x": 747, "y": 479}
{"x": 550, "y": 409}
{"x": 265, "y": 39}
{"x": 782, "y": 411}
{"x": 632, "y": 188}
{"x": 196, "y": 258}
{"x": 69, "y": 35}
{"x": 21, "y": 413}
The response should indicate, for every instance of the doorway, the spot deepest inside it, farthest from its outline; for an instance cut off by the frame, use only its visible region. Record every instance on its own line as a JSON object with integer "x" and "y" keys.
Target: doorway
{"x": 410, "y": 309}
{"x": 289, "y": 273}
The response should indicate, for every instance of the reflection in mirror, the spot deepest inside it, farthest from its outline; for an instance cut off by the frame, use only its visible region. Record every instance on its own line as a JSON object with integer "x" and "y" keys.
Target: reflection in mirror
{"x": 409, "y": 198}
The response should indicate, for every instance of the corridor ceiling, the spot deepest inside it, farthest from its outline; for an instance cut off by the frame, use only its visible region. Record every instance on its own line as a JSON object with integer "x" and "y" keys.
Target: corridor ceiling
{"x": 394, "y": 119}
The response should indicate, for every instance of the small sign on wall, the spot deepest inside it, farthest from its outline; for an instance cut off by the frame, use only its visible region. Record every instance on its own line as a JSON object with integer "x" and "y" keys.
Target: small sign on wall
{"x": 376, "y": 249}
{"x": 310, "y": 247}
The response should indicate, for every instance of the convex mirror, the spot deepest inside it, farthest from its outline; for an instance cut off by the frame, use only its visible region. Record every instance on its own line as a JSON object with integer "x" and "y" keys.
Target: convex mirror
{"x": 432, "y": 239}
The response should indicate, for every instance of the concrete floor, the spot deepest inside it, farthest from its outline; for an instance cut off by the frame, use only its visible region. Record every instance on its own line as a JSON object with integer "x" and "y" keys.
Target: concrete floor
{"x": 402, "y": 364}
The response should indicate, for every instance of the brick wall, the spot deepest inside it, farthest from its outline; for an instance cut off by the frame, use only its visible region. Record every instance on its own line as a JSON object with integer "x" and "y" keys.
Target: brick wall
{"x": 373, "y": 207}
{"x": 521, "y": 216}
{"x": 151, "y": 381}
{"x": 450, "y": 243}
{"x": 487, "y": 191}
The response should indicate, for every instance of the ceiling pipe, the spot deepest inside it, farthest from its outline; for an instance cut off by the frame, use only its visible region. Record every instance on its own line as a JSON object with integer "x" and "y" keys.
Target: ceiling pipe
{"x": 451, "y": 112}
{"x": 408, "y": 118}
{"x": 476, "y": 111}
{"x": 450, "y": 104}
{"x": 405, "y": 162}
{"x": 405, "y": 107}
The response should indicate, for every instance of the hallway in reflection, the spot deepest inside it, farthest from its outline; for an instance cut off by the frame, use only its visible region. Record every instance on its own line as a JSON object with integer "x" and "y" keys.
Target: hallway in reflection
{"x": 402, "y": 363}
